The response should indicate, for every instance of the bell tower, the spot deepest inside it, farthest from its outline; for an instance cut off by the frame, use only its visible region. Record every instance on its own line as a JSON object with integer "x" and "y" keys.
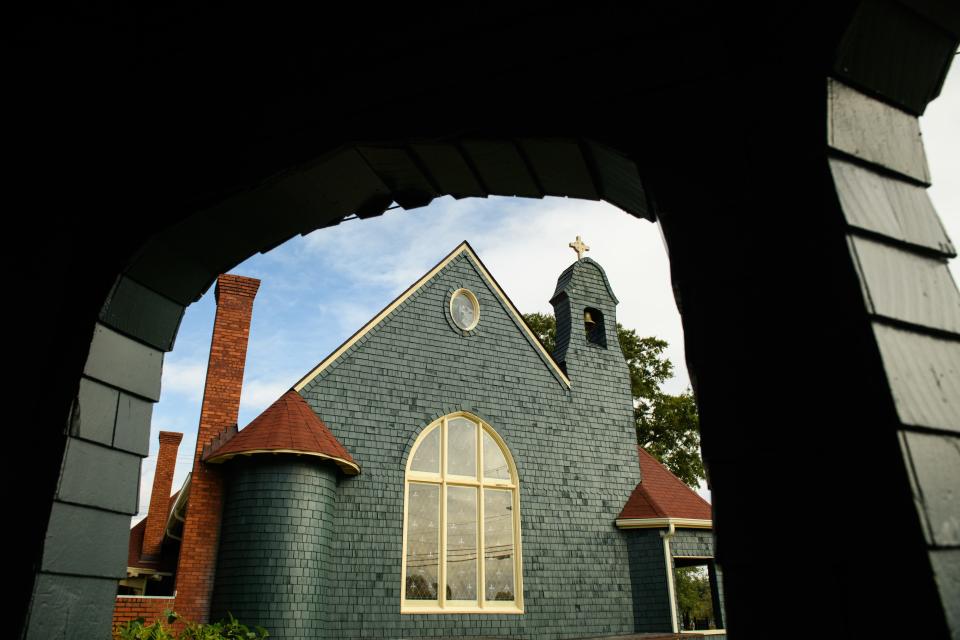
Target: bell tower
{"x": 586, "y": 311}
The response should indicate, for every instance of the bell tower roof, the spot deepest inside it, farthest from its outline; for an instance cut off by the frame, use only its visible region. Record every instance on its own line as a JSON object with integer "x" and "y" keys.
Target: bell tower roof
{"x": 567, "y": 282}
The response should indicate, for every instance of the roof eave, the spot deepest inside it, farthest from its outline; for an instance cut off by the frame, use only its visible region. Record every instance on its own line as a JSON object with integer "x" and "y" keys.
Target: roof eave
{"x": 347, "y": 466}
{"x": 463, "y": 247}
{"x": 663, "y": 523}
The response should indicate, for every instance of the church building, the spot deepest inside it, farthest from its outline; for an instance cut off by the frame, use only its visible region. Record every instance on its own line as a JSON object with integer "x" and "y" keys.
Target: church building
{"x": 439, "y": 474}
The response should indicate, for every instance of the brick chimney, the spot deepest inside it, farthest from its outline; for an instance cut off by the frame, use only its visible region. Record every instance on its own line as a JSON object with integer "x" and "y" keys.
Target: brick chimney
{"x": 220, "y": 409}
{"x": 160, "y": 495}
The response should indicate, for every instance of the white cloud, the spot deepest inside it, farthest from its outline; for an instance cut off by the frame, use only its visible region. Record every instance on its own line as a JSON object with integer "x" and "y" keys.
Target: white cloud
{"x": 343, "y": 317}
{"x": 396, "y": 248}
{"x": 940, "y": 125}
{"x": 257, "y": 395}
{"x": 183, "y": 377}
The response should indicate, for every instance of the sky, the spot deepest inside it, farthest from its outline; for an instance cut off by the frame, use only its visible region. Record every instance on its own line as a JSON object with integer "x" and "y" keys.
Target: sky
{"x": 317, "y": 290}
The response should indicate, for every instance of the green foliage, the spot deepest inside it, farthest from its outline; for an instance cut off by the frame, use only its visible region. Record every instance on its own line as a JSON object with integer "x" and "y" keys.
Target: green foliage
{"x": 139, "y": 630}
{"x": 648, "y": 368}
{"x": 230, "y": 629}
{"x": 544, "y": 326}
{"x": 694, "y": 602}
{"x": 667, "y": 426}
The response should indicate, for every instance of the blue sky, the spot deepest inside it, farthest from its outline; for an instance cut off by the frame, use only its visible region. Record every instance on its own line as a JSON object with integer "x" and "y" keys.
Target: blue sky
{"x": 316, "y": 290}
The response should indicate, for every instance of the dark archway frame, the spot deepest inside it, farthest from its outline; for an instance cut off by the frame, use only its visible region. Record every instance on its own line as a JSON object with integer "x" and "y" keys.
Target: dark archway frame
{"x": 808, "y": 266}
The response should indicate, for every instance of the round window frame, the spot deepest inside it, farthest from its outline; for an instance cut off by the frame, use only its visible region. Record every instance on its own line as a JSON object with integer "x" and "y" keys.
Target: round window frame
{"x": 471, "y": 296}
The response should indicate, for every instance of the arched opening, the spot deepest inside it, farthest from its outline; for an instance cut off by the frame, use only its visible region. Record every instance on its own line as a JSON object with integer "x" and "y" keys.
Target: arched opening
{"x": 892, "y": 428}
{"x": 594, "y": 327}
{"x": 296, "y": 321}
{"x": 126, "y": 299}
{"x": 461, "y": 541}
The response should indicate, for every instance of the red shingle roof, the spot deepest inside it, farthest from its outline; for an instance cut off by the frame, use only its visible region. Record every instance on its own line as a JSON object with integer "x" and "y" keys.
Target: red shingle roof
{"x": 661, "y": 494}
{"x": 289, "y": 425}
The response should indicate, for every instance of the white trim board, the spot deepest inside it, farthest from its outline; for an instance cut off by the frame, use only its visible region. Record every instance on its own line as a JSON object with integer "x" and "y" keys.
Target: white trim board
{"x": 659, "y": 523}
{"x": 348, "y": 467}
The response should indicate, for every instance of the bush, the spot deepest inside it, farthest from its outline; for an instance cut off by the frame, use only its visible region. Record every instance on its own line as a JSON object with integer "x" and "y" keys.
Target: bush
{"x": 229, "y": 629}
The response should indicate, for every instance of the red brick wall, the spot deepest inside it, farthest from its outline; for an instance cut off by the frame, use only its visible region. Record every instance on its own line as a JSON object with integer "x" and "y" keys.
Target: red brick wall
{"x": 129, "y": 608}
{"x": 220, "y": 409}
{"x": 160, "y": 495}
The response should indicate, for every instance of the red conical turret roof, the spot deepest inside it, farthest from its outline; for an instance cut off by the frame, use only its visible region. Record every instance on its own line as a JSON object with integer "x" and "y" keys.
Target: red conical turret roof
{"x": 289, "y": 425}
{"x": 661, "y": 494}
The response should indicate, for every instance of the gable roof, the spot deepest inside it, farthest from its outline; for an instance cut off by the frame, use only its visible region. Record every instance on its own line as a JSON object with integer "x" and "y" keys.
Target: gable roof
{"x": 661, "y": 497}
{"x": 289, "y": 425}
{"x": 463, "y": 248}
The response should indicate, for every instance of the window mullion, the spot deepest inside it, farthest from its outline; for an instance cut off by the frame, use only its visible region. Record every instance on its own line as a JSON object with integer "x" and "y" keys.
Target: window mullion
{"x": 403, "y": 574}
{"x": 462, "y": 481}
{"x": 481, "y": 577}
{"x": 517, "y": 560}
{"x": 442, "y": 573}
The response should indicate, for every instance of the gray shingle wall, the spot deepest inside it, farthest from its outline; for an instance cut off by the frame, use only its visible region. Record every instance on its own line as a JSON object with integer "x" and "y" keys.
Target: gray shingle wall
{"x": 651, "y": 599}
{"x": 717, "y": 584}
{"x": 274, "y": 543}
{"x": 97, "y": 492}
{"x": 692, "y": 542}
{"x": 574, "y": 449}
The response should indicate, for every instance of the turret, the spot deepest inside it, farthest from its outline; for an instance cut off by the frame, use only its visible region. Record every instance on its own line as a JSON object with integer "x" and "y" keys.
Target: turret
{"x": 586, "y": 310}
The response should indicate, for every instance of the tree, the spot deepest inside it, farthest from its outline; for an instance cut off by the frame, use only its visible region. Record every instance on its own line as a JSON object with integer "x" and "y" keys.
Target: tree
{"x": 667, "y": 426}
{"x": 694, "y": 600}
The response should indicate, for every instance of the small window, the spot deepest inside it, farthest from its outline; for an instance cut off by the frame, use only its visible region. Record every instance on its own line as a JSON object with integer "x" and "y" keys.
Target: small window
{"x": 593, "y": 326}
{"x": 464, "y": 309}
{"x": 696, "y": 590}
{"x": 460, "y": 473}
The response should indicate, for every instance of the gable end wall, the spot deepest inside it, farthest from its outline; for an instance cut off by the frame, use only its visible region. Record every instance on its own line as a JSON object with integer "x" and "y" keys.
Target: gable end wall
{"x": 575, "y": 450}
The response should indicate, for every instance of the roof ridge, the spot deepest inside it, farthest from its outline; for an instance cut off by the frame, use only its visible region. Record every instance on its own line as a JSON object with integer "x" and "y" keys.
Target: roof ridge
{"x": 672, "y": 475}
{"x": 400, "y": 301}
{"x": 661, "y": 494}
{"x": 653, "y": 501}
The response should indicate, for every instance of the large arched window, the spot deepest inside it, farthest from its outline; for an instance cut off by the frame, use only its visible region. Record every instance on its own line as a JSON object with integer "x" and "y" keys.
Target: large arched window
{"x": 461, "y": 533}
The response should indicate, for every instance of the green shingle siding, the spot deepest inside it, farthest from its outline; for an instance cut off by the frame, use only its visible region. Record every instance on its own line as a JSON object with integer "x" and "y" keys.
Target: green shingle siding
{"x": 651, "y": 599}
{"x": 274, "y": 544}
{"x": 692, "y": 542}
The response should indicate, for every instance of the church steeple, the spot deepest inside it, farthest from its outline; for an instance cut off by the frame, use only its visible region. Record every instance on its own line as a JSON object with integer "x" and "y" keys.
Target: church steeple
{"x": 586, "y": 312}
